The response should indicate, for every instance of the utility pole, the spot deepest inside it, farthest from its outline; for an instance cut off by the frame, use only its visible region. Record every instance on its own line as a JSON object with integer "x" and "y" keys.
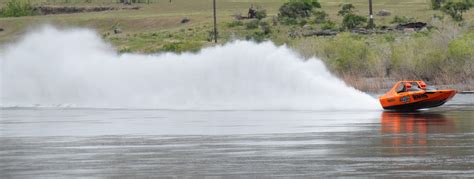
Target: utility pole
{"x": 371, "y": 24}
{"x": 215, "y": 21}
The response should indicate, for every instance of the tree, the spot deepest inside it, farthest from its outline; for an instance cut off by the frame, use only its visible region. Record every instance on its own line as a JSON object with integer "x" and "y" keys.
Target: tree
{"x": 352, "y": 21}
{"x": 456, "y": 9}
{"x": 346, "y": 9}
{"x": 298, "y": 8}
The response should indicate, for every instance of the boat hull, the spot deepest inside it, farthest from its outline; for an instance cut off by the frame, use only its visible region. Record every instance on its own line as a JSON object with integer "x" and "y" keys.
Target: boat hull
{"x": 416, "y": 100}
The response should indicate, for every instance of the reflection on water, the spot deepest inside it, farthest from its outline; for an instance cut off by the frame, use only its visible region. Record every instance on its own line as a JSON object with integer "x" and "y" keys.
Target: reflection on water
{"x": 408, "y": 133}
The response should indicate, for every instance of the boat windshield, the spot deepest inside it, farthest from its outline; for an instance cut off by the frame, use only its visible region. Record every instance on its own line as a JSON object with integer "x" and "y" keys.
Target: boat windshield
{"x": 414, "y": 87}
{"x": 431, "y": 88}
{"x": 402, "y": 88}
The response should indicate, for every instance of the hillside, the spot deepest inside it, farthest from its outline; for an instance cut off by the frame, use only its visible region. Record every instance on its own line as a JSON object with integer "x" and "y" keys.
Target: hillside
{"x": 442, "y": 54}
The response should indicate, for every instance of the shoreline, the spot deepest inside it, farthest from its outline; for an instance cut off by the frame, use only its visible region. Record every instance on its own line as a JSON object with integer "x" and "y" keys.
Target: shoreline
{"x": 382, "y": 85}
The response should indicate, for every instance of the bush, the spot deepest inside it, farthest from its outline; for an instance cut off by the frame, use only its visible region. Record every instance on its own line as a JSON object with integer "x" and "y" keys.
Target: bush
{"x": 320, "y": 17}
{"x": 253, "y": 24}
{"x": 125, "y": 50}
{"x": 314, "y": 3}
{"x": 302, "y": 22}
{"x": 328, "y": 25}
{"x": 260, "y": 14}
{"x": 401, "y": 20}
{"x": 461, "y": 56}
{"x": 210, "y": 35}
{"x": 350, "y": 55}
{"x": 179, "y": 47}
{"x": 257, "y": 36}
{"x": 436, "y": 4}
{"x": 346, "y": 9}
{"x": 298, "y": 8}
{"x": 442, "y": 60}
{"x": 288, "y": 21}
{"x": 17, "y": 8}
{"x": 389, "y": 38}
{"x": 235, "y": 23}
{"x": 438, "y": 16}
{"x": 352, "y": 21}
{"x": 462, "y": 48}
{"x": 265, "y": 28}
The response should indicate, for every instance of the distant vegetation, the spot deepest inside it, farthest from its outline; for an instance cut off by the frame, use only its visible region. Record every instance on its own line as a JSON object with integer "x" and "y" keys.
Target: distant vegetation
{"x": 456, "y": 9}
{"x": 402, "y": 19}
{"x": 440, "y": 53}
{"x": 17, "y": 8}
{"x": 352, "y": 21}
{"x": 297, "y": 11}
{"x": 453, "y": 8}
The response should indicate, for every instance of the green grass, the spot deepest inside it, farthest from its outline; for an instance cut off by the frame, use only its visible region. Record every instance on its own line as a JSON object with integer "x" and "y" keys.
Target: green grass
{"x": 161, "y": 15}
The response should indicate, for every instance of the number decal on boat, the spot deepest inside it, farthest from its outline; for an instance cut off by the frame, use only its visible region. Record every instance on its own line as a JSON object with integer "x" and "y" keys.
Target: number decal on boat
{"x": 419, "y": 96}
{"x": 405, "y": 99}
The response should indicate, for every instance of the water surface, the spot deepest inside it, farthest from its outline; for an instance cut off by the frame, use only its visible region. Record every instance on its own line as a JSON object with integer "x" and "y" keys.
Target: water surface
{"x": 38, "y": 142}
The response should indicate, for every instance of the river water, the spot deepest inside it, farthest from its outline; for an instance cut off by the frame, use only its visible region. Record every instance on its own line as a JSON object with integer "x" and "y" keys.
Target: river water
{"x": 62, "y": 142}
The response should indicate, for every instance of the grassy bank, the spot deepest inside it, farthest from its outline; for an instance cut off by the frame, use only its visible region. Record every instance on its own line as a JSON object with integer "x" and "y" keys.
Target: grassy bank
{"x": 441, "y": 54}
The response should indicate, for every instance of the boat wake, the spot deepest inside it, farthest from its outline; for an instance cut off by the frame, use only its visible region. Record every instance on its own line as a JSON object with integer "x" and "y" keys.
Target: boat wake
{"x": 74, "y": 68}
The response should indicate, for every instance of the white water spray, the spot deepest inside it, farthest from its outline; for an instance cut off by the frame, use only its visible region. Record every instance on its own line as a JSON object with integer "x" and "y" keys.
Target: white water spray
{"x": 75, "y": 68}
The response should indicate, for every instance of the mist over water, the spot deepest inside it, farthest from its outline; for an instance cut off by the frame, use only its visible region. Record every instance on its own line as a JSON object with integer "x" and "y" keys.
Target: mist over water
{"x": 75, "y": 68}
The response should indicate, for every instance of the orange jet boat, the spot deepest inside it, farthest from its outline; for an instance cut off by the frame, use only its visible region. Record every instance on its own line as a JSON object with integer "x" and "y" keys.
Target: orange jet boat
{"x": 414, "y": 95}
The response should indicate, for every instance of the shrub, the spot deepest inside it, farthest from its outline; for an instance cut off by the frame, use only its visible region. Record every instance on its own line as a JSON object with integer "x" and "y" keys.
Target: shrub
{"x": 461, "y": 56}
{"x": 389, "y": 38}
{"x": 320, "y": 17}
{"x": 346, "y": 9}
{"x": 17, "y": 8}
{"x": 328, "y": 25}
{"x": 438, "y": 16}
{"x": 210, "y": 35}
{"x": 260, "y": 14}
{"x": 235, "y": 23}
{"x": 125, "y": 50}
{"x": 352, "y": 21}
{"x": 314, "y": 3}
{"x": 436, "y": 4}
{"x": 289, "y": 21}
{"x": 462, "y": 48}
{"x": 434, "y": 63}
{"x": 298, "y": 8}
{"x": 253, "y": 24}
{"x": 350, "y": 55}
{"x": 302, "y": 22}
{"x": 265, "y": 28}
{"x": 181, "y": 47}
{"x": 256, "y": 36}
{"x": 171, "y": 47}
{"x": 401, "y": 20}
